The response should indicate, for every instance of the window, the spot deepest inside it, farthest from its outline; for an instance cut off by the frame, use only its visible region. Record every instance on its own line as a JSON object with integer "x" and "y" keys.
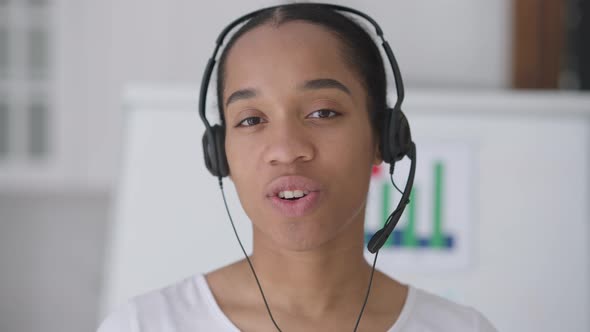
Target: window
{"x": 575, "y": 65}
{"x": 4, "y": 51}
{"x": 37, "y": 53}
{"x": 37, "y": 138}
{"x": 25, "y": 76}
{"x": 4, "y": 133}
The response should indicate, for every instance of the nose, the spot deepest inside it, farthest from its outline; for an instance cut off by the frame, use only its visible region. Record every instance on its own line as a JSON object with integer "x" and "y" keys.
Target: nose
{"x": 288, "y": 143}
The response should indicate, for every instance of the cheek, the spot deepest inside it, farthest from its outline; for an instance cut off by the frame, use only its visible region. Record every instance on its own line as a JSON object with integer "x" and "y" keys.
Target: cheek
{"x": 244, "y": 163}
{"x": 353, "y": 149}
{"x": 348, "y": 161}
{"x": 241, "y": 154}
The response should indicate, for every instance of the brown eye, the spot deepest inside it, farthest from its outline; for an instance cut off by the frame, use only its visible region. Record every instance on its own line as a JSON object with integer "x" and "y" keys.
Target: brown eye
{"x": 251, "y": 121}
{"x": 323, "y": 113}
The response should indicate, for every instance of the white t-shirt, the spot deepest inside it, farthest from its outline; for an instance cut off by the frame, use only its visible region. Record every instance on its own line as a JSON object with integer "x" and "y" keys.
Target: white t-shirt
{"x": 189, "y": 306}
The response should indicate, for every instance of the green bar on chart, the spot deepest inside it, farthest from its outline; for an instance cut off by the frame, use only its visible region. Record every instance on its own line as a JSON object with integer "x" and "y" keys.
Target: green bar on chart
{"x": 437, "y": 234}
{"x": 409, "y": 238}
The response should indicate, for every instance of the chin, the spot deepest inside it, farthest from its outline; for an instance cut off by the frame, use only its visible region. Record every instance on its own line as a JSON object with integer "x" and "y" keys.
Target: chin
{"x": 312, "y": 232}
{"x": 302, "y": 236}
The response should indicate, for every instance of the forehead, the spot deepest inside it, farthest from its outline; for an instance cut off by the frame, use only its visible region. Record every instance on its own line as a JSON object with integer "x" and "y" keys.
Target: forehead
{"x": 288, "y": 53}
{"x": 296, "y": 31}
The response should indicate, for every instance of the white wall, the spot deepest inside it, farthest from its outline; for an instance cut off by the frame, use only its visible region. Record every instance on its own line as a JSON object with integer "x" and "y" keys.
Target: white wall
{"x": 51, "y": 249}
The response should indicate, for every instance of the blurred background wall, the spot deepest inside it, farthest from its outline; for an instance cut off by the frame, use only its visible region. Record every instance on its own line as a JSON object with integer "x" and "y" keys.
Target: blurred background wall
{"x": 63, "y": 68}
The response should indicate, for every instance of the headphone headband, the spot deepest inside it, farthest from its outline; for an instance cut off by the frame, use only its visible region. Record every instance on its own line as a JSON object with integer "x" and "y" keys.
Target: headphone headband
{"x": 397, "y": 76}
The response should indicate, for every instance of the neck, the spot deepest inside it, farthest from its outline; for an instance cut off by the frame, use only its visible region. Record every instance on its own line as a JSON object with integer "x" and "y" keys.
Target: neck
{"x": 316, "y": 281}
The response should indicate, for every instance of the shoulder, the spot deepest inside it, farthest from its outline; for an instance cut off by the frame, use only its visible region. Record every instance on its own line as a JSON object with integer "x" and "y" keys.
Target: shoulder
{"x": 425, "y": 311}
{"x": 160, "y": 307}
{"x": 118, "y": 320}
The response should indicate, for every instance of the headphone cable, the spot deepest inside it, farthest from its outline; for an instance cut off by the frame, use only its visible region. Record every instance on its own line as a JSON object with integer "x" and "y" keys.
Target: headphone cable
{"x": 391, "y": 170}
{"x": 246, "y": 255}
{"x": 358, "y": 320}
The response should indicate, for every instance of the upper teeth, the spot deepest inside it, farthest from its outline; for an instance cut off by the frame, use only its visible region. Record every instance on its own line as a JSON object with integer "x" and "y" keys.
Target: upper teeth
{"x": 293, "y": 193}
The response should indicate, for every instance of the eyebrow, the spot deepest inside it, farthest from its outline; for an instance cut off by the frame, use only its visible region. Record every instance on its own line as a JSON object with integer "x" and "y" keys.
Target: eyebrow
{"x": 325, "y": 83}
{"x": 320, "y": 83}
{"x": 241, "y": 94}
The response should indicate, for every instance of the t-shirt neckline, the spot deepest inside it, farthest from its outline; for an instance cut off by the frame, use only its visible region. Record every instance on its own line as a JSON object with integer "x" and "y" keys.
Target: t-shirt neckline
{"x": 215, "y": 309}
{"x": 213, "y": 306}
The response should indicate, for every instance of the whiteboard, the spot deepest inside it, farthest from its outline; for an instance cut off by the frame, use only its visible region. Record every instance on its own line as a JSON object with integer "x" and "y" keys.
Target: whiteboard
{"x": 529, "y": 264}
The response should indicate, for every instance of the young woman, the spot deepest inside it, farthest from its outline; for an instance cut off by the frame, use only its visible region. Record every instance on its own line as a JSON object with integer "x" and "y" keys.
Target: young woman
{"x": 301, "y": 91}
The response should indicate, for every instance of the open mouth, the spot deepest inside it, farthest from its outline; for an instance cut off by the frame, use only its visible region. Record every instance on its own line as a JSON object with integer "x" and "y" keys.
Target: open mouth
{"x": 295, "y": 203}
{"x": 292, "y": 195}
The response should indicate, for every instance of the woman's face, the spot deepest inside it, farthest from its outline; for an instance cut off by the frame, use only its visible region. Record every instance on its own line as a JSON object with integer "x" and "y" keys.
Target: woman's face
{"x": 297, "y": 125}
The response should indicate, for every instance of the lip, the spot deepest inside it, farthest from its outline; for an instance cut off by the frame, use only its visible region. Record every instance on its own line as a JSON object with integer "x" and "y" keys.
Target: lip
{"x": 294, "y": 208}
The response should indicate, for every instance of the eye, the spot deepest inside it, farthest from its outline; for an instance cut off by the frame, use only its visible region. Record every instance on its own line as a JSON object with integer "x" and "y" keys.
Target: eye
{"x": 250, "y": 121}
{"x": 323, "y": 113}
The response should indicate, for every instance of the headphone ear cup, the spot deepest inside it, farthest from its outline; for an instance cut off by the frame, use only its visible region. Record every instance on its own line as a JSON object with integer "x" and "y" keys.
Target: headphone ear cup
{"x": 214, "y": 151}
{"x": 388, "y": 139}
{"x": 209, "y": 151}
{"x": 404, "y": 136}
{"x": 223, "y": 167}
{"x": 396, "y": 139}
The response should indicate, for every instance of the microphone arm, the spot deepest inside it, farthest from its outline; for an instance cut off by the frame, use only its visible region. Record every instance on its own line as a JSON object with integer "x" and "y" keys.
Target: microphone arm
{"x": 378, "y": 239}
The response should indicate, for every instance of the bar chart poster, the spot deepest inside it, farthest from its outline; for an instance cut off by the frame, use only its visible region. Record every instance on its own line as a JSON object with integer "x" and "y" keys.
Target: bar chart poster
{"x": 435, "y": 230}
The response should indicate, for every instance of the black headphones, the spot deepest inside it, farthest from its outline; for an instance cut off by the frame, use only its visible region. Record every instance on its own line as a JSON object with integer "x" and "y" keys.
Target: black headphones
{"x": 395, "y": 142}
